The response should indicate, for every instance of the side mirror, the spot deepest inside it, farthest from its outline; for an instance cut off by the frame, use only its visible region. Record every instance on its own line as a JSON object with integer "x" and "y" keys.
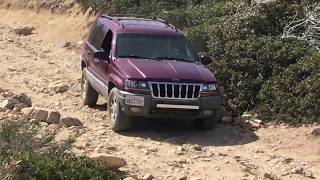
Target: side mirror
{"x": 206, "y": 60}
{"x": 101, "y": 55}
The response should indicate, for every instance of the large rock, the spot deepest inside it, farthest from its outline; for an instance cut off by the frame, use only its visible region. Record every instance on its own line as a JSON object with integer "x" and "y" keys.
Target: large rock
{"x": 23, "y": 98}
{"x": 27, "y": 112}
{"x": 40, "y": 115}
{"x": 24, "y": 30}
{"x": 111, "y": 161}
{"x": 60, "y": 88}
{"x": 9, "y": 103}
{"x": 20, "y": 106}
{"x": 53, "y": 117}
{"x": 70, "y": 121}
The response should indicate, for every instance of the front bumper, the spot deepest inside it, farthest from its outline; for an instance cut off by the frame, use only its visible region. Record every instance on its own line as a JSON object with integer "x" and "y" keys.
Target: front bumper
{"x": 154, "y": 108}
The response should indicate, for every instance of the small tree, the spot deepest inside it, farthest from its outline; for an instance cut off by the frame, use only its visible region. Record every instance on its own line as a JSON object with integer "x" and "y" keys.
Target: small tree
{"x": 307, "y": 28}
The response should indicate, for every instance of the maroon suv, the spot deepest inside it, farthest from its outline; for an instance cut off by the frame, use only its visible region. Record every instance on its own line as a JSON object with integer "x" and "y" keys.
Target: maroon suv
{"x": 147, "y": 68}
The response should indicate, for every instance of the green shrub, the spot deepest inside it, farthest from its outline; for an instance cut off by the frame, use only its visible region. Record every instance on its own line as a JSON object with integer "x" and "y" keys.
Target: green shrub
{"x": 248, "y": 64}
{"x": 294, "y": 95}
{"x": 247, "y": 55}
{"x": 63, "y": 166}
{"x": 28, "y": 153}
{"x": 20, "y": 136}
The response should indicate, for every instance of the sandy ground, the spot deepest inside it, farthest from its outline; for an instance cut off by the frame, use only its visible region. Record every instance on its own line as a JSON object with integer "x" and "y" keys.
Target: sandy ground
{"x": 164, "y": 148}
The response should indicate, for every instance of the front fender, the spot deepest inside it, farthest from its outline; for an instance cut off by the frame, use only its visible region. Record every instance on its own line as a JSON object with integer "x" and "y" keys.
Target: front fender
{"x": 116, "y": 81}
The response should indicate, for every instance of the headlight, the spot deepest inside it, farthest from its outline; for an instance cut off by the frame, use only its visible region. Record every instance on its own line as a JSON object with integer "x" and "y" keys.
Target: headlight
{"x": 209, "y": 87}
{"x": 136, "y": 85}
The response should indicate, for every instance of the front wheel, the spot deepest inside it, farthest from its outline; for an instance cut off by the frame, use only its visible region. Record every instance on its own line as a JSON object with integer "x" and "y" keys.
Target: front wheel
{"x": 206, "y": 123}
{"x": 118, "y": 120}
{"x": 88, "y": 94}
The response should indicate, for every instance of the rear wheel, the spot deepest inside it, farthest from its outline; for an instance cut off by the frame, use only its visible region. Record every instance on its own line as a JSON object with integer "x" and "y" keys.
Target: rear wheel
{"x": 88, "y": 94}
{"x": 118, "y": 120}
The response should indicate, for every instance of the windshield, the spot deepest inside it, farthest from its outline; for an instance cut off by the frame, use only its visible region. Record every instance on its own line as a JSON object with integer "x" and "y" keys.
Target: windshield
{"x": 154, "y": 47}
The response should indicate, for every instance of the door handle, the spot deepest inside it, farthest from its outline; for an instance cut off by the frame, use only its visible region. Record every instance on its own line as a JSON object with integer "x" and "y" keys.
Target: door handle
{"x": 96, "y": 60}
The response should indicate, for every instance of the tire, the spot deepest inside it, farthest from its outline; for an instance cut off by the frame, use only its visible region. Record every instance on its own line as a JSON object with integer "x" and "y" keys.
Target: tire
{"x": 118, "y": 120}
{"x": 206, "y": 123}
{"x": 88, "y": 94}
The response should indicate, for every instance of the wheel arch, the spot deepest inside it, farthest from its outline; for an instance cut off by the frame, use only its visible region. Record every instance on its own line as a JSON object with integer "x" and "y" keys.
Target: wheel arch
{"x": 114, "y": 81}
{"x": 83, "y": 65}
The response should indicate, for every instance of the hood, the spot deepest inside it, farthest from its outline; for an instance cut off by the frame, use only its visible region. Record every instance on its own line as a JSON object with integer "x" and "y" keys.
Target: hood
{"x": 167, "y": 70}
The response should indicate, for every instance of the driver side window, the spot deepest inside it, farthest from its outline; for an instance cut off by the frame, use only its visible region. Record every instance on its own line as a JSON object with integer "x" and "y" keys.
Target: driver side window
{"x": 98, "y": 37}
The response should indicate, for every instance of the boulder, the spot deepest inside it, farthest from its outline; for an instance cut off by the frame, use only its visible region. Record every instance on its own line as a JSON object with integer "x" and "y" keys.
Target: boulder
{"x": 23, "y": 98}
{"x": 9, "y": 103}
{"x": 27, "y": 112}
{"x": 37, "y": 114}
{"x": 60, "y": 88}
{"x": 40, "y": 115}
{"x": 53, "y": 117}
{"x": 70, "y": 121}
{"x": 111, "y": 161}
{"x": 20, "y": 106}
{"x": 24, "y": 30}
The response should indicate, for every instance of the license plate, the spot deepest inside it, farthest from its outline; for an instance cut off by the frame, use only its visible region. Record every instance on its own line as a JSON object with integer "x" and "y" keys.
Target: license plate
{"x": 135, "y": 100}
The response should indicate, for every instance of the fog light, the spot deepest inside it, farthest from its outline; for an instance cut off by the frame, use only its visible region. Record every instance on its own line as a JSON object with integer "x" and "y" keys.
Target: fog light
{"x": 135, "y": 110}
{"x": 207, "y": 113}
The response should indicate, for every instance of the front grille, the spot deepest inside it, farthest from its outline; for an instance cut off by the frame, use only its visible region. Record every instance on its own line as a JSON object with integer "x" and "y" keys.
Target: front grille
{"x": 175, "y": 90}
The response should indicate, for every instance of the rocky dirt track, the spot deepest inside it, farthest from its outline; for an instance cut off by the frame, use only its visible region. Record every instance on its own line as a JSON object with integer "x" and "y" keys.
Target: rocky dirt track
{"x": 39, "y": 63}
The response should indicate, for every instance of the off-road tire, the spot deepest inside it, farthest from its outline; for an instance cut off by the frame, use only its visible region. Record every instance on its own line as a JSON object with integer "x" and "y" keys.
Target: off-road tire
{"x": 88, "y": 94}
{"x": 118, "y": 120}
{"x": 206, "y": 123}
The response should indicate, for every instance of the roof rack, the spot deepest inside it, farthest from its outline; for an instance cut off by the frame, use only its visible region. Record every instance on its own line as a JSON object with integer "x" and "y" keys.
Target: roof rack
{"x": 113, "y": 19}
{"x": 165, "y": 22}
{"x": 117, "y": 17}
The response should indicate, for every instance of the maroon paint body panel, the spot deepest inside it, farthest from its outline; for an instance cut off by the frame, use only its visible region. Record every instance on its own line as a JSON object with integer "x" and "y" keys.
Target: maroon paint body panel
{"x": 117, "y": 70}
{"x": 166, "y": 70}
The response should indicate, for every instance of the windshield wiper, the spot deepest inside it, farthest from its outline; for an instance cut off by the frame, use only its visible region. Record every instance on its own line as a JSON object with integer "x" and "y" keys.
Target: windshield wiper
{"x": 134, "y": 56}
{"x": 173, "y": 58}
